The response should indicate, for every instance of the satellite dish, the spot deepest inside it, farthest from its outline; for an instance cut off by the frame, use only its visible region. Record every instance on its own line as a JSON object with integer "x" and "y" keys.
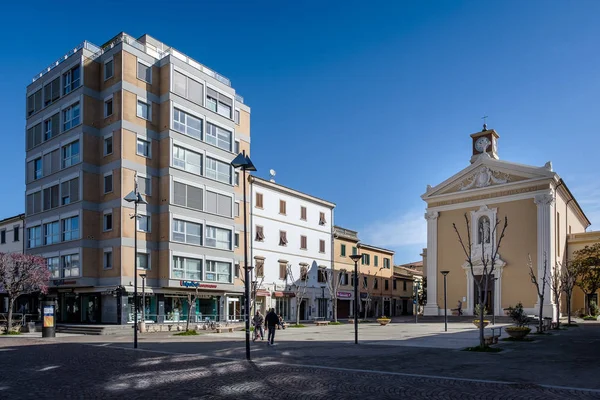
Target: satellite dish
{"x": 272, "y": 172}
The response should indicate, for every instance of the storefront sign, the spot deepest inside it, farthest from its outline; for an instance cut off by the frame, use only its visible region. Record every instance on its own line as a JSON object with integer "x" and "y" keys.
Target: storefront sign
{"x": 344, "y": 295}
{"x": 192, "y": 284}
{"x": 60, "y": 282}
{"x": 364, "y": 295}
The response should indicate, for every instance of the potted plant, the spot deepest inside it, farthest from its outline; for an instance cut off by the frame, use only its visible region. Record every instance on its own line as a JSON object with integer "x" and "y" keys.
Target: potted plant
{"x": 383, "y": 321}
{"x": 477, "y": 314}
{"x": 519, "y": 331}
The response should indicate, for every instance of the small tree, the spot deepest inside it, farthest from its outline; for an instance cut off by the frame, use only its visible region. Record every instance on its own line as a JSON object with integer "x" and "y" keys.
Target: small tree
{"x": 556, "y": 288}
{"x": 365, "y": 285}
{"x": 568, "y": 278}
{"x": 191, "y": 300}
{"x": 422, "y": 291}
{"x": 333, "y": 280}
{"x": 298, "y": 286}
{"x": 540, "y": 285}
{"x": 588, "y": 264}
{"x": 517, "y": 314}
{"x": 22, "y": 274}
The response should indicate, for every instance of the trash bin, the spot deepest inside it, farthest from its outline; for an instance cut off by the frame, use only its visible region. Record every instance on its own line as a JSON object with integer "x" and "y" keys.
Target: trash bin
{"x": 31, "y": 326}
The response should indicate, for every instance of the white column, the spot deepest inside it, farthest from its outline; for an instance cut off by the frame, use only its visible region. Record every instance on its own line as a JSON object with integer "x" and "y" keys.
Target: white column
{"x": 431, "y": 308}
{"x": 545, "y": 247}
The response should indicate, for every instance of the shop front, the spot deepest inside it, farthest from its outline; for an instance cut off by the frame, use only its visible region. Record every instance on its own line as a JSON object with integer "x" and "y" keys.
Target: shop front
{"x": 283, "y": 305}
{"x": 344, "y": 304}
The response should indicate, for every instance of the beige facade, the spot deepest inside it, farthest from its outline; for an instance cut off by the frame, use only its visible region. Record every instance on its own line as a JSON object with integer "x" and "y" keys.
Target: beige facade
{"x": 578, "y": 241}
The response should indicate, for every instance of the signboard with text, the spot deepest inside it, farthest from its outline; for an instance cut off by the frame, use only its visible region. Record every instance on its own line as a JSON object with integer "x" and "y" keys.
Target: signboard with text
{"x": 48, "y": 316}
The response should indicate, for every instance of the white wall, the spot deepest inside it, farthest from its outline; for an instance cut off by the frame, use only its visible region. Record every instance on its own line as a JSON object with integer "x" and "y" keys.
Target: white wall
{"x": 11, "y": 246}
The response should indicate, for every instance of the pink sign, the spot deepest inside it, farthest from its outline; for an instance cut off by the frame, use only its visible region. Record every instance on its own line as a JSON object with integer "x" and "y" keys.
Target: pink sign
{"x": 344, "y": 295}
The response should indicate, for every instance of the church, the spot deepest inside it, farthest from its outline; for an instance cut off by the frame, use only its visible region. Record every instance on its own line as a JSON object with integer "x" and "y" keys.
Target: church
{"x": 543, "y": 217}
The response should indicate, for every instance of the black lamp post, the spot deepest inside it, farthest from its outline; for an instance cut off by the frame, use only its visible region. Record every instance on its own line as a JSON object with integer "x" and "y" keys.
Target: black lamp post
{"x": 445, "y": 273}
{"x": 355, "y": 258}
{"x": 136, "y": 198}
{"x": 494, "y": 303}
{"x": 243, "y": 162}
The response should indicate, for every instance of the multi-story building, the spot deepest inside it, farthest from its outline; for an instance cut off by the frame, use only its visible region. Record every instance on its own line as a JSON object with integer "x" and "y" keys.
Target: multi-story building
{"x": 345, "y": 243}
{"x": 406, "y": 280}
{"x": 291, "y": 248}
{"x": 100, "y": 119}
{"x": 376, "y": 279}
{"x": 11, "y": 241}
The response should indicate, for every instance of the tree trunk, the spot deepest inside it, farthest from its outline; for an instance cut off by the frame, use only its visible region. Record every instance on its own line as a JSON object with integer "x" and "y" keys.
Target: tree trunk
{"x": 481, "y": 327}
{"x": 569, "y": 308}
{"x": 298, "y": 312}
{"x": 334, "y": 305}
{"x": 540, "y": 316}
{"x": 558, "y": 313}
{"x": 11, "y": 303}
{"x": 187, "y": 324}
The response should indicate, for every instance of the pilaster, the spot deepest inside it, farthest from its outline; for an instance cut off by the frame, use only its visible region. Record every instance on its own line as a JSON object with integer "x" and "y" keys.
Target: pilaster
{"x": 431, "y": 308}
{"x": 545, "y": 247}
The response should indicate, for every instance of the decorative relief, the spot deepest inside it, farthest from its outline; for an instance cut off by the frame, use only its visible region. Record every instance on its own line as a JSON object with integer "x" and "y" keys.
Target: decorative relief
{"x": 431, "y": 215}
{"x": 489, "y": 195}
{"x": 484, "y": 177}
{"x": 544, "y": 199}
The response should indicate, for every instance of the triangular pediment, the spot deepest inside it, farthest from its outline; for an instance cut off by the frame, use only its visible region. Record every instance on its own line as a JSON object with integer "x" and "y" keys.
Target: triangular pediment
{"x": 488, "y": 173}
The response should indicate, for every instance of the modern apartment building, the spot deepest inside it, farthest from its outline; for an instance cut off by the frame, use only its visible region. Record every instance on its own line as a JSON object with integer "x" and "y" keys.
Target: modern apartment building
{"x": 291, "y": 248}
{"x": 100, "y": 119}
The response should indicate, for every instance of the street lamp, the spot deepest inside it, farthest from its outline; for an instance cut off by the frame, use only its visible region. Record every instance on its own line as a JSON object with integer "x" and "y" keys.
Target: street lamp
{"x": 493, "y": 302}
{"x": 355, "y": 258}
{"x": 445, "y": 273}
{"x": 136, "y": 198}
{"x": 143, "y": 276}
{"x": 243, "y": 162}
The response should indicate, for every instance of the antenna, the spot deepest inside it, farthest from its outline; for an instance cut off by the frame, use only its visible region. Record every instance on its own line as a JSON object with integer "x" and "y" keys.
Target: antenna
{"x": 484, "y": 118}
{"x": 272, "y": 174}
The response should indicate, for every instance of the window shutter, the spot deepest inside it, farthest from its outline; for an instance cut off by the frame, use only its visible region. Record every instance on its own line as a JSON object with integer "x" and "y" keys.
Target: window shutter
{"x": 48, "y": 93}
{"x": 303, "y": 213}
{"x": 74, "y": 188}
{"x": 260, "y": 234}
{"x": 225, "y": 100}
{"x": 259, "y": 200}
{"x": 37, "y": 202}
{"x": 212, "y": 93}
{"x": 30, "y": 170}
{"x": 322, "y": 246}
{"x": 47, "y": 199}
{"x": 30, "y": 105}
{"x": 179, "y": 83}
{"x": 281, "y": 207}
{"x": 55, "y": 124}
{"x": 195, "y": 91}
{"x": 30, "y": 204}
{"x": 322, "y": 218}
{"x": 55, "y": 159}
{"x": 282, "y": 271}
{"x": 179, "y": 196}
{"x": 224, "y": 205}
{"x": 54, "y": 193}
{"x": 211, "y": 202}
{"x": 194, "y": 197}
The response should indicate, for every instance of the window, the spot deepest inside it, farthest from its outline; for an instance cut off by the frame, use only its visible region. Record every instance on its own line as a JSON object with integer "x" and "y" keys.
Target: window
{"x": 108, "y": 183}
{"x": 70, "y": 266}
{"x": 187, "y": 196}
{"x": 51, "y": 92}
{"x": 54, "y": 267}
{"x": 395, "y": 284}
{"x": 34, "y": 136}
{"x": 109, "y": 69}
{"x": 303, "y": 242}
{"x": 237, "y": 117}
{"x": 387, "y": 284}
{"x": 34, "y": 203}
{"x": 144, "y": 110}
{"x": 34, "y": 237}
{"x": 186, "y": 268}
{"x": 386, "y": 263}
{"x": 218, "y": 170}
{"x": 37, "y": 168}
{"x": 107, "y": 261}
{"x": 354, "y": 251}
{"x": 283, "y": 271}
{"x": 322, "y": 275}
{"x": 70, "y": 154}
{"x": 70, "y": 229}
{"x": 34, "y": 103}
{"x": 143, "y": 261}
{"x": 260, "y": 236}
{"x": 366, "y": 259}
{"x": 236, "y": 147}
{"x": 218, "y": 271}
{"x": 236, "y": 209}
{"x": 303, "y": 213}
{"x": 108, "y": 145}
{"x": 187, "y": 232}
{"x": 283, "y": 238}
{"x": 71, "y": 80}
{"x": 321, "y": 246}
{"x": 376, "y": 260}
{"x": 143, "y": 223}
{"x": 236, "y": 241}
{"x": 282, "y": 207}
{"x": 3, "y": 236}
{"x": 260, "y": 268}
{"x": 185, "y": 123}
{"x": 51, "y": 197}
{"x": 375, "y": 283}
{"x": 69, "y": 191}
{"x": 144, "y": 72}
{"x": 71, "y": 117}
{"x": 145, "y": 185}
{"x": 218, "y": 136}
{"x": 259, "y": 200}
{"x": 322, "y": 218}
{"x": 187, "y": 160}
{"x": 16, "y": 233}
{"x": 218, "y": 238}
{"x": 219, "y": 204}
{"x": 344, "y": 279}
{"x": 51, "y": 162}
{"x": 404, "y": 285}
{"x": 144, "y": 148}
{"x": 108, "y": 107}
{"x": 343, "y": 250}
{"x": 51, "y": 233}
{"x": 52, "y": 126}
{"x": 187, "y": 87}
{"x": 303, "y": 272}
{"x": 218, "y": 103}
{"x": 237, "y": 179}
{"x": 107, "y": 224}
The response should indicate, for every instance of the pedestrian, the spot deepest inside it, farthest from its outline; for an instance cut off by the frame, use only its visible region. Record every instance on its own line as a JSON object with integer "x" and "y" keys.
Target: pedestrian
{"x": 459, "y": 308}
{"x": 258, "y": 326}
{"x": 271, "y": 320}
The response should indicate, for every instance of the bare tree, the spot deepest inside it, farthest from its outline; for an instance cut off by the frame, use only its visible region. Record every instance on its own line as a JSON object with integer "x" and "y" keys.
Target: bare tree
{"x": 22, "y": 274}
{"x": 541, "y": 291}
{"x": 488, "y": 262}
{"x": 333, "y": 280}
{"x": 255, "y": 284}
{"x": 298, "y": 286}
{"x": 556, "y": 287}
{"x": 191, "y": 300}
{"x": 568, "y": 279}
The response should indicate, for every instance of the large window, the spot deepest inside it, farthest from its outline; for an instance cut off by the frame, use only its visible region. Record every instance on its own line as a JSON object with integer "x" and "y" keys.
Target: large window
{"x": 51, "y": 233}
{"x": 187, "y": 232}
{"x": 34, "y": 136}
{"x": 217, "y": 203}
{"x": 187, "y": 160}
{"x": 218, "y": 237}
{"x": 34, "y": 203}
{"x": 218, "y": 271}
{"x": 69, "y": 191}
{"x": 185, "y": 123}
{"x": 109, "y": 69}
{"x": 54, "y": 267}
{"x": 52, "y": 126}
{"x": 187, "y": 196}
{"x": 143, "y": 223}
{"x": 143, "y": 261}
{"x": 37, "y": 168}
{"x": 186, "y": 268}
{"x": 34, "y": 237}
{"x": 70, "y": 266}
{"x": 51, "y": 197}
{"x": 34, "y": 103}
{"x": 72, "y": 80}
{"x": 218, "y": 103}
{"x": 187, "y": 87}
{"x": 51, "y": 92}
{"x": 218, "y": 170}
{"x": 218, "y": 136}
{"x": 70, "y": 228}
{"x": 71, "y": 117}
{"x": 144, "y": 148}
{"x": 51, "y": 162}
{"x": 144, "y": 72}
{"x": 145, "y": 186}
{"x": 144, "y": 110}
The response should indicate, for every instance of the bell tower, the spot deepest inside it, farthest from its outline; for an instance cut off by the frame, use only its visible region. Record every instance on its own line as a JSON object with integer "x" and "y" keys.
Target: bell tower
{"x": 485, "y": 143}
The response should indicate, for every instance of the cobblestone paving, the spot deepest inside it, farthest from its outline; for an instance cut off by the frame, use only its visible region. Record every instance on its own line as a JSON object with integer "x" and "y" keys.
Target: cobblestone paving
{"x": 51, "y": 370}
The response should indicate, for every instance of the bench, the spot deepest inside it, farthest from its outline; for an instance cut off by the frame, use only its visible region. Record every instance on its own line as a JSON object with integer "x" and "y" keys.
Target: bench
{"x": 220, "y": 330}
{"x": 321, "y": 323}
{"x": 493, "y": 338}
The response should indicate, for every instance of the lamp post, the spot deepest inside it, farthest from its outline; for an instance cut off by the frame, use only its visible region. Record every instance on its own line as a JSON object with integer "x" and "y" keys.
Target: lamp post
{"x": 143, "y": 276}
{"x": 243, "y": 162}
{"x": 445, "y": 273}
{"x": 136, "y": 198}
{"x": 494, "y": 307}
{"x": 355, "y": 258}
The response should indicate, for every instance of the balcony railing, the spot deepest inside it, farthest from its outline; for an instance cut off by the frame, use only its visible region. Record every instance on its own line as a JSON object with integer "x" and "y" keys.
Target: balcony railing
{"x": 85, "y": 44}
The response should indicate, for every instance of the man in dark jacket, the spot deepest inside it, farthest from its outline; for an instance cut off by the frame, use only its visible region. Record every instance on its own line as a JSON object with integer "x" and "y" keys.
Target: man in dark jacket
{"x": 272, "y": 320}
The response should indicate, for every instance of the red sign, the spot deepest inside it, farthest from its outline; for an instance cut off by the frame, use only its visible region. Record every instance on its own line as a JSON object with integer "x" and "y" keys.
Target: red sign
{"x": 344, "y": 295}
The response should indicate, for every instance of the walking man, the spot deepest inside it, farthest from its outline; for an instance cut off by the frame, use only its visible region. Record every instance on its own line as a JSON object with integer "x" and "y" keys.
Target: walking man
{"x": 459, "y": 308}
{"x": 258, "y": 326}
{"x": 272, "y": 320}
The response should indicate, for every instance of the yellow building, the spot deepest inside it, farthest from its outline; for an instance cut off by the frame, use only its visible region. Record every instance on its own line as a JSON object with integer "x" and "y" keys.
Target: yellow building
{"x": 541, "y": 213}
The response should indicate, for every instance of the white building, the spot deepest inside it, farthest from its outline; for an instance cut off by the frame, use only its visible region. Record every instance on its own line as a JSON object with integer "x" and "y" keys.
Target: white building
{"x": 11, "y": 234}
{"x": 290, "y": 232}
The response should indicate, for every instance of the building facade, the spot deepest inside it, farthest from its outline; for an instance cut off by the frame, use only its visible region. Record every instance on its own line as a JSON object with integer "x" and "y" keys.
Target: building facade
{"x": 541, "y": 213}
{"x": 345, "y": 243}
{"x": 407, "y": 280}
{"x": 291, "y": 248}
{"x": 102, "y": 120}
{"x": 375, "y": 276}
{"x": 11, "y": 241}
{"x": 578, "y": 241}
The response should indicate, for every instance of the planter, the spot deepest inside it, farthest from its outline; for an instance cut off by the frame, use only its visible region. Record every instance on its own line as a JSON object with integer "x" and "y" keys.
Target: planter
{"x": 517, "y": 332}
{"x": 383, "y": 321}
{"x": 485, "y": 323}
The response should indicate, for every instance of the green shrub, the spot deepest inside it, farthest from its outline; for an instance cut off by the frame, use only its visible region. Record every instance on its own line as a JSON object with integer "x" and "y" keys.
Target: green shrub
{"x": 594, "y": 311}
{"x": 297, "y": 326}
{"x": 187, "y": 333}
{"x": 590, "y": 318}
{"x": 517, "y": 314}
{"x": 335, "y": 323}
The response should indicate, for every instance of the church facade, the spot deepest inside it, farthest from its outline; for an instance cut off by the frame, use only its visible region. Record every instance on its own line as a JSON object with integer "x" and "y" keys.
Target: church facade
{"x": 542, "y": 214}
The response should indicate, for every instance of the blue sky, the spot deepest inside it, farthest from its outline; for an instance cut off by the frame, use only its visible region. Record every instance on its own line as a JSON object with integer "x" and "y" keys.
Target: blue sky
{"x": 360, "y": 103}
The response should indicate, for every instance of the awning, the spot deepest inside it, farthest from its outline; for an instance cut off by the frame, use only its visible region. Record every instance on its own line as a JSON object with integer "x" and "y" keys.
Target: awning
{"x": 284, "y": 294}
{"x": 263, "y": 293}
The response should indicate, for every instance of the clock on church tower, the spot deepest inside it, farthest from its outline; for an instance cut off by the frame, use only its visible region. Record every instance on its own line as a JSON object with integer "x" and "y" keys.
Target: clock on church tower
{"x": 485, "y": 141}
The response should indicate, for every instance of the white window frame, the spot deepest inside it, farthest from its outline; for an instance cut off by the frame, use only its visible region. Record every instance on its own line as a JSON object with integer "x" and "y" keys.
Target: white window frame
{"x": 68, "y": 88}
{"x": 112, "y": 183}
{"x": 62, "y": 231}
{"x": 112, "y": 109}
{"x": 185, "y": 162}
{"x": 216, "y": 178}
{"x": 149, "y": 186}
{"x": 69, "y": 110}
{"x": 238, "y": 213}
{"x": 186, "y": 114}
{"x": 216, "y": 138}
{"x": 184, "y": 232}
{"x": 218, "y": 260}
{"x": 112, "y": 222}
{"x": 104, "y": 148}
{"x": 147, "y": 103}
{"x": 148, "y": 141}
{"x": 113, "y": 68}
{"x": 62, "y": 266}
{"x": 137, "y": 70}
{"x": 148, "y": 218}
{"x": 70, "y": 158}
{"x": 216, "y": 226}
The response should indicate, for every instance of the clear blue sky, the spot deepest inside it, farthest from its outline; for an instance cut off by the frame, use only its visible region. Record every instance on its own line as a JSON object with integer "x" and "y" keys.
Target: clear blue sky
{"x": 360, "y": 103}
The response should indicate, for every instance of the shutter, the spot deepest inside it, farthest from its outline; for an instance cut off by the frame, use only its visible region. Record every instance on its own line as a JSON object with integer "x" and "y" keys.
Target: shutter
{"x": 30, "y": 170}
{"x": 37, "y": 202}
{"x": 47, "y": 199}
{"x": 179, "y": 83}
{"x": 55, "y": 157}
{"x": 30, "y": 208}
{"x": 37, "y": 98}
{"x": 37, "y": 134}
{"x": 47, "y": 164}
{"x": 226, "y": 100}
{"x": 195, "y": 91}
{"x": 211, "y": 202}
{"x": 56, "y": 89}
{"x": 212, "y": 93}
{"x": 29, "y": 138}
{"x": 65, "y": 190}
{"x": 55, "y": 124}
{"x": 282, "y": 271}
{"x": 48, "y": 93}
{"x": 30, "y": 105}
{"x": 179, "y": 194}
{"x": 194, "y": 197}
{"x": 54, "y": 194}
{"x": 224, "y": 205}
{"x": 74, "y": 189}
